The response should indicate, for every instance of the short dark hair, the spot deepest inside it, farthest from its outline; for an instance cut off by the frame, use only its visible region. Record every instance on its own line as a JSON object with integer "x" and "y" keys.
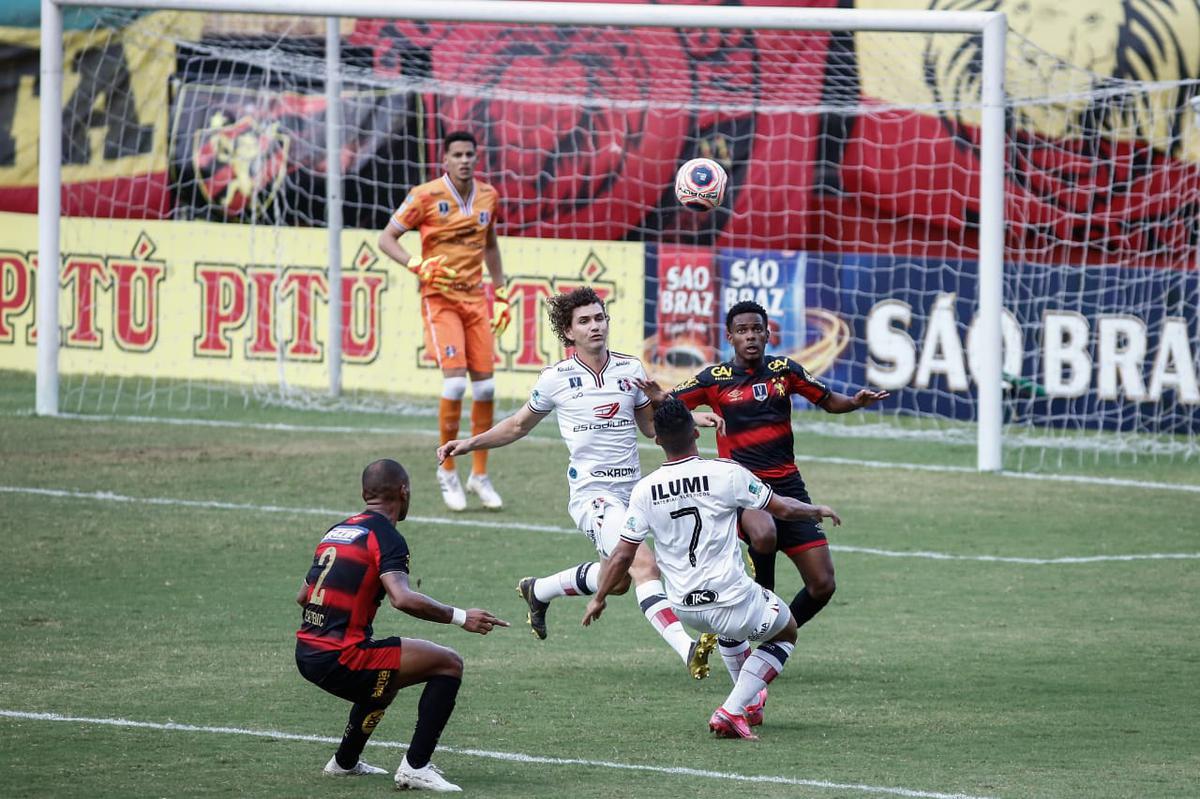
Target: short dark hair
{"x": 673, "y": 425}
{"x": 380, "y": 478}
{"x": 745, "y": 306}
{"x": 561, "y": 307}
{"x": 459, "y": 135}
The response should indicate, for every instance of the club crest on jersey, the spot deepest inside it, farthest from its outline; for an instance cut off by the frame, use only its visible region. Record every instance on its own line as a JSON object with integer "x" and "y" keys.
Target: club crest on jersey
{"x": 575, "y": 382}
{"x": 443, "y": 207}
{"x": 607, "y": 411}
{"x": 760, "y": 391}
{"x": 484, "y": 216}
{"x": 780, "y": 386}
{"x": 450, "y": 350}
{"x": 625, "y": 384}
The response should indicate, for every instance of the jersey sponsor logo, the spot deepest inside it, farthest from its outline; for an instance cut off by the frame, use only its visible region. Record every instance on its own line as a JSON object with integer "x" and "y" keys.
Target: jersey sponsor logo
{"x": 760, "y": 391}
{"x": 683, "y": 487}
{"x": 686, "y": 384}
{"x": 734, "y": 396}
{"x": 778, "y": 365}
{"x": 583, "y": 428}
{"x": 620, "y": 363}
{"x": 705, "y": 596}
{"x": 615, "y": 471}
{"x": 607, "y": 411}
{"x": 344, "y": 534}
{"x": 575, "y": 382}
{"x": 567, "y": 368}
{"x": 443, "y": 207}
{"x": 721, "y": 372}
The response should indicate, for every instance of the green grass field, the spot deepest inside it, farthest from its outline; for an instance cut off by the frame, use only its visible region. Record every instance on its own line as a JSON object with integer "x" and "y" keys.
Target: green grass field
{"x": 926, "y": 676}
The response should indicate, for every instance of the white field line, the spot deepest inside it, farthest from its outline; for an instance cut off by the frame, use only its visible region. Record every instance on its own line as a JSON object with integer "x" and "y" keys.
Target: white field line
{"x": 512, "y": 757}
{"x": 108, "y": 496}
{"x": 1081, "y": 479}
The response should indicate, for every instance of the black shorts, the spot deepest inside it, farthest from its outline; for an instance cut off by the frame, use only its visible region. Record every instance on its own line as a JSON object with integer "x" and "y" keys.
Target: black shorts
{"x": 795, "y": 536}
{"x": 366, "y": 672}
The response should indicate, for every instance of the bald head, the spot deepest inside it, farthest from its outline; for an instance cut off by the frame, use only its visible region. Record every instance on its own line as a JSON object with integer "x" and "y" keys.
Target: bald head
{"x": 384, "y": 481}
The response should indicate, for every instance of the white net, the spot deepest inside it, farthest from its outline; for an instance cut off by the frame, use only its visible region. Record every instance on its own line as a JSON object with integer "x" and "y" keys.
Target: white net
{"x": 852, "y": 213}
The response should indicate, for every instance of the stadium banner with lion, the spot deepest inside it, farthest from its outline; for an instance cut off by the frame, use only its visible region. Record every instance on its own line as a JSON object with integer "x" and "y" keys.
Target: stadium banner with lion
{"x": 146, "y": 300}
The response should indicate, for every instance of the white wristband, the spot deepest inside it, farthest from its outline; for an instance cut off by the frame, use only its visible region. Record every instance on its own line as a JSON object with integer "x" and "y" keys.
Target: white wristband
{"x": 459, "y": 617}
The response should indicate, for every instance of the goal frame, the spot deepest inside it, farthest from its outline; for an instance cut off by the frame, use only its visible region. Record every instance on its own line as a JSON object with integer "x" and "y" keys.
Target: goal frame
{"x": 992, "y": 26}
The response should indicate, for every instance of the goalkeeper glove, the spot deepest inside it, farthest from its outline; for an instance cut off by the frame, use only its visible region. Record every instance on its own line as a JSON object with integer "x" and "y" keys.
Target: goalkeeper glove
{"x": 432, "y": 271}
{"x": 501, "y": 313}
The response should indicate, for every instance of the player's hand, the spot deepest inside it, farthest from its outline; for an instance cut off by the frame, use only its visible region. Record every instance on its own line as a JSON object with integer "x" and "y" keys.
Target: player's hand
{"x": 709, "y": 419}
{"x": 482, "y": 622}
{"x": 501, "y": 313}
{"x": 595, "y": 607}
{"x": 451, "y": 448}
{"x": 652, "y": 390}
{"x": 432, "y": 271}
{"x": 867, "y": 397}
{"x": 826, "y": 512}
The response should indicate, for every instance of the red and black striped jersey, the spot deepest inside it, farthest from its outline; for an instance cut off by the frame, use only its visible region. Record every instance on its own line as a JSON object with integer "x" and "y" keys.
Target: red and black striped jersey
{"x": 344, "y": 586}
{"x": 757, "y": 408}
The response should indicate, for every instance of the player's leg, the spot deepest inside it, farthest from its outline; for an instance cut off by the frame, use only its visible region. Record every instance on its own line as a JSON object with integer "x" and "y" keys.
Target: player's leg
{"x": 480, "y": 365}
{"x": 441, "y": 669}
{"x": 757, "y": 528}
{"x": 816, "y": 570}
{"x": 445, "y": 338}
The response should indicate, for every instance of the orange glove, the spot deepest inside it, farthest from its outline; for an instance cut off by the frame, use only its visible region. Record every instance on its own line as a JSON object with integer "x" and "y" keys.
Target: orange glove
{"x": 432, "y": 271}
{"x": 501, "y": 312}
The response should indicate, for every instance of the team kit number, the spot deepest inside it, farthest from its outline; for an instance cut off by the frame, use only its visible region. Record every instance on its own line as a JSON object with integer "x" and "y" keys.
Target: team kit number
{"x": 694, "y": 512}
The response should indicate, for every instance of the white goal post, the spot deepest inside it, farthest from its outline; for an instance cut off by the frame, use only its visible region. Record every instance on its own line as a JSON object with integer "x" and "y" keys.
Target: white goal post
{"x": 990, "y": 26}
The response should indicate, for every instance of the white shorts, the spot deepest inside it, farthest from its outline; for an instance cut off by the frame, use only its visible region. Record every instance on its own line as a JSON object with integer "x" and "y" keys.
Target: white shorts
{"x": 599, "y": 516}
{"x": 758, "y": 616}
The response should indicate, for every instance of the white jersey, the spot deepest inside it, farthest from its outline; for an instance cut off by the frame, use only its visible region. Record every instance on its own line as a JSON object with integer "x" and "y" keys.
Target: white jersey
{"x": 690, "y": 507}
{"x": 595, "y": 418}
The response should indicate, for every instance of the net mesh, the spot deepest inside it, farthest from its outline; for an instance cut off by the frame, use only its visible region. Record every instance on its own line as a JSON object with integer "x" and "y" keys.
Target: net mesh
{"x": 851, "y": 215}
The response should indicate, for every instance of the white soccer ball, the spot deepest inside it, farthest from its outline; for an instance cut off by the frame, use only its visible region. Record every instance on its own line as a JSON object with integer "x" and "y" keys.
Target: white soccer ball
{"x": 700, "y": 184}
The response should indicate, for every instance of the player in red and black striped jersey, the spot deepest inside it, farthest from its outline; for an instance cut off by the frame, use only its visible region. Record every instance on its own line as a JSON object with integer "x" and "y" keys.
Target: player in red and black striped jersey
{"x": 753, "y": 392}
{"x": 358, "y": 562}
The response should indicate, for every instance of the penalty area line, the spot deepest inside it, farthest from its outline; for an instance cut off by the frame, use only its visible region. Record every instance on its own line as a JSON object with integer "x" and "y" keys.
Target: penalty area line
{"x": 108, "y": 496}
{"x": 511, "y": 757}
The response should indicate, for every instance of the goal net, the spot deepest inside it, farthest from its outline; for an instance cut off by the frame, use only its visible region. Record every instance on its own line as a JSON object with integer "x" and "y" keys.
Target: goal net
{"x": 194, "y": 252}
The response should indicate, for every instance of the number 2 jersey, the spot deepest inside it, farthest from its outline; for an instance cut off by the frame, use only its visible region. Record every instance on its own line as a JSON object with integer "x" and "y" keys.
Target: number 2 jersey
{"x": 344, "y": 586}
{"x": 690, "y": 507}
{"x": 596, "y": 420}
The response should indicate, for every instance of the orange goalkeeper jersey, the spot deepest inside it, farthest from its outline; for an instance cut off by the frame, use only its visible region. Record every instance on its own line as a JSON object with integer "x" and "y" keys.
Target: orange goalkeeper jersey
{"x": 454, "y": 226}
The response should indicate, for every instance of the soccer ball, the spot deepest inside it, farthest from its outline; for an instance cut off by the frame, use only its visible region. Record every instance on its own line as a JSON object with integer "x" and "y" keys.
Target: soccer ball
{"x": 700, "y": 184}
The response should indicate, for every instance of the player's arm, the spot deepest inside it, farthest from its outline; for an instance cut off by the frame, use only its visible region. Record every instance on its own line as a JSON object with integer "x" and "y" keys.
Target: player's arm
{"x": 841, "y": 403}
{"x": 504, "y": 432}
{"x": 614, "y": 572}
{"x": 389, "y": 242}
{"x": 421, "y": 606}
{"x": 302, "y": 595}
{"x": 644, "y": 416}
{"x": 790, "y": 509}
{"x": 501, "y": 312}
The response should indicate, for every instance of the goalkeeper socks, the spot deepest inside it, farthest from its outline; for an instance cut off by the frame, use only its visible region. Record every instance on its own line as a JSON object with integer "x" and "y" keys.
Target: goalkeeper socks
{"x": 734, "y": 654}
{"x": 433, "y": 711}
{"x": 482, "y": 414}
{"x": 653, "y": 600}
{"x": 760, "y": 668}
{"x": 363, "y": 718}
{"x": 804, "y": 607}
{"x": 449, "y": 413}
{"x": 581, "y": 579}
{"x": 764, "y": 567}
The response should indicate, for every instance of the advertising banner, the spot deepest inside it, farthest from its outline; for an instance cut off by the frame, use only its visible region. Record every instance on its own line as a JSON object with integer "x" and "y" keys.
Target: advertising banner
{"x": 242, "y": 304}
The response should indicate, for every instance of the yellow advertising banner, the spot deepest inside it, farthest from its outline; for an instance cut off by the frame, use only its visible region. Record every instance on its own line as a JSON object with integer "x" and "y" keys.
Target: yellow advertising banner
{"x": 235, "y": 303}
{"x": 115, "y": 83}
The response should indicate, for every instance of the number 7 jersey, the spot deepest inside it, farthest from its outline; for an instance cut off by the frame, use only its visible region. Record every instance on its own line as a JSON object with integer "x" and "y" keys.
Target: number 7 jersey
{"x": 690, "y": 507}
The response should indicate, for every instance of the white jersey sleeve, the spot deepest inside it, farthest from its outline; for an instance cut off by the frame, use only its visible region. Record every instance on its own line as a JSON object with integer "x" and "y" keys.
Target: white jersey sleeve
{"x": 640, "y": 400}
{"x": 746, "y": 490}
{"x": 636, "y": 526}
{"x": 541, "y": 398}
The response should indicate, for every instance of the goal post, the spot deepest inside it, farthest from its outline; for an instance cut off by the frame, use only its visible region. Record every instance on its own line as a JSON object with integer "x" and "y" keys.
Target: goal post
{"x": 990, "y": 26}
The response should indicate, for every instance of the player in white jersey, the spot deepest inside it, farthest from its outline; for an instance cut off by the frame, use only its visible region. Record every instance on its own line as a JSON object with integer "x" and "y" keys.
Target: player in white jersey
{"x": 600, "y": 410}
{"x": 690, "y": 506}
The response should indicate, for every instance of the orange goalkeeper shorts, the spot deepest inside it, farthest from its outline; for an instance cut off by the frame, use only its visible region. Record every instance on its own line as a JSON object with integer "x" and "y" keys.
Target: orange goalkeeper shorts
{"x": 459, "y": 334}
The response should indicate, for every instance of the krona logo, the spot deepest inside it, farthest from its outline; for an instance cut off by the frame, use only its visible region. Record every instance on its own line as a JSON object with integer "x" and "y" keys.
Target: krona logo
{"x": 607, "y": 411}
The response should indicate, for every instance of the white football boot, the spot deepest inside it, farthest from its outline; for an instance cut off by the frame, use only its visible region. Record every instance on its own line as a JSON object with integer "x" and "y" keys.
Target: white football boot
{"x": 452, "y": 490}
{"x": 428, "y": 778}
{"x": 360, "y": 769}
{"x": 481, "y": 486}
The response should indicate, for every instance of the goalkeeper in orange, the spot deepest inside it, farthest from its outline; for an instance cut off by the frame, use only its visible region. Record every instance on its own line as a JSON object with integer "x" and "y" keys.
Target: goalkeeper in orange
{"x": 456, "y": 216}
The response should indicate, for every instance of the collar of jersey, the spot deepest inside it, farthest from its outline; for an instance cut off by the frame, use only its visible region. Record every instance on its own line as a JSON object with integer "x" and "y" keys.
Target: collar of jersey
{"x": 596, "y": 375}
{"x": 678, "y": 461}
{"x": 464, "y": 206}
